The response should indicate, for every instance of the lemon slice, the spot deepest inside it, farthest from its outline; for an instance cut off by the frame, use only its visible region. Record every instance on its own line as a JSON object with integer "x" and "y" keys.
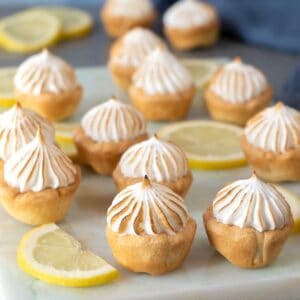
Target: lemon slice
{"x": 75, "y": 22}
{"x": 50, "y": 254}
{"x": 201, "y": 69}
{"x": 29, "y": 31}
{"x": 7, "y": 98}
{"x": 64, "y": 132}
{"x": 70, "y": 150}
{"x": 64, "y": 137}
{"x": 294, "y": 202}
{"x": 209, "y": 145}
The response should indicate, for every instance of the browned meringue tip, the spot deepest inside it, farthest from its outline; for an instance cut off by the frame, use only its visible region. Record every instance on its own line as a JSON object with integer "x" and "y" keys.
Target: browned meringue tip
{"x": 45, "y": 51}
{"x": 18, "y": 104}
{"x": 237, "y": 59}
{"x": 146, "y": 181}
{"x": 279, "y": 105}
{"x": 254, "y": 174}
{"x": 39, "y": 135}
{"x": 160, "y": 47}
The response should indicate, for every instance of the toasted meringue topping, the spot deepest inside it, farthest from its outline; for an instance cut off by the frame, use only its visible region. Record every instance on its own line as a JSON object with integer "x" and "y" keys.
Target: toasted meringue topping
{"x": 135, "y": 46}
{"x": 251, "y": 203}
{"x": 275, "y": 129}
{"x": 237, "y": 82}
{"x": 18, "y": 126}
{"x": 162, "y": 73}
{"x": 147, "y": 209}
{"x": 113, "y": 121}
{"x": 162, "y": 161}
{"x": 187, "y": 14}
{"x": 44, "y": 73}
{"x": 130, "y": 8}
{"x": 39, "y": 165}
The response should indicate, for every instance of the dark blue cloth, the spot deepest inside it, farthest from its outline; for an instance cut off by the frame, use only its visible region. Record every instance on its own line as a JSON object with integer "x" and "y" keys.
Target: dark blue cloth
{"x": 291, "y": 90}
{"x": 272, "y": 23}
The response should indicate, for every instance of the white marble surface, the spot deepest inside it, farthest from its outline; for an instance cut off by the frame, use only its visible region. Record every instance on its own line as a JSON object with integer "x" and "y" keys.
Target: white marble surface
{"x": 204, "y": 275}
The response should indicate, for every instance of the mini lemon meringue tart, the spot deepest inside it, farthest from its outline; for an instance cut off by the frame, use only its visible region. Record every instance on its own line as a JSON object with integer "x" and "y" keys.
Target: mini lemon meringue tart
{"x": 119, "y": 16}
{"x": 18, "y": 127}
{"x": 236, "y": 92}
{"x": 248, "y": 222}
{"x": 162, "y": 88}
{"x": 38, "y": 182}
{"x": 128, "y": 53}
{"x": 163, "y": 162}
{"x": 48, "y": 85}
{"x": 106, "y": 132}
{"x": 271, "y": 143}
{"x": 190, "y": 23}
{"x": 149, "y": 228}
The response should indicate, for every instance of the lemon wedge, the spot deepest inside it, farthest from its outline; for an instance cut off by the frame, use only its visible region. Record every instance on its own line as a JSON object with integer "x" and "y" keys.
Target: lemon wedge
{"x": 29, "y": 31}
{"x": 294, "y": 202}
{"x": 201, "y": 70}
{"x": 209, "y": 145}
{"x": 75, "y": 22}
{"x": 51, "y": 255}
{"x": 7, "y": 98}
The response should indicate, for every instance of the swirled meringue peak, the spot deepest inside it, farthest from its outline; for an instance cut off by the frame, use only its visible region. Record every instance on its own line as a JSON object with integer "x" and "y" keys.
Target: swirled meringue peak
{"x": 162, "y": 73}
{"x": 162, "y": 161}
{"x": 39, "y": 165}
{"x": 147, "y": 209}
{"x": 44, "y": 73}
{"x": 135, "y": 46}
{"x": 237, "y": 82}
{"x": 275, "y": 129}
{"x": 186, "y": 14}
{"x": 135, "y": 9}
{"x": 251, "y": 203}
{"x": 18, "y": 126}
{"x": 113, "y": 121}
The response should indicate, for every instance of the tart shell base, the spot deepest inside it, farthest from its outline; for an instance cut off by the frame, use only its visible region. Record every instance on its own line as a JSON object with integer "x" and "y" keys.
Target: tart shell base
{"x": 245, "y": 247}
{"x": 155, "y": 254}
{"x": 117, "y": 26}
{"x": 187, "y": 39}
{"x": 236, "y": 113}
{"x": 273, "y": 167}
{"x": 37, "y": 208}
{"x": 180, "y": 186}
{"x": 121, "y": 75}
{"x": 102, "y": 157}
{"x": 51, "y": 106}
{"x": 162, "y": 107}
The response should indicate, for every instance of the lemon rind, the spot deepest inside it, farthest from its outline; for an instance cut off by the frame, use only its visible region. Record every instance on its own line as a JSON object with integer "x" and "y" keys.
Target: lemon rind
{"x": 236, "y": 160}
{"x": 58, "y": 280}
{"x": 10, "y": 44}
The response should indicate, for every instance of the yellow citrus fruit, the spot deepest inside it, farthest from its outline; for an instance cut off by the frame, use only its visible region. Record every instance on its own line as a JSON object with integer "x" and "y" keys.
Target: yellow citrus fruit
{"x": 64, "y": 138}
{"x": 201, "y": 69}
{"x": 64, "y": 132}
{"x": 294, "y": 202}
{"x": 209, "y": 145}
{"x": 51, "y": 255}
{"x": 7, "y": 98}
{"x": 29, "y": 31}
{"x": 75, "y": 22}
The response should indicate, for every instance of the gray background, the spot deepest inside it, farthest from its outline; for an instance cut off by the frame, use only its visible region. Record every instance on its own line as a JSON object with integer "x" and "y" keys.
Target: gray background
{"x": 93, "y": 49}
